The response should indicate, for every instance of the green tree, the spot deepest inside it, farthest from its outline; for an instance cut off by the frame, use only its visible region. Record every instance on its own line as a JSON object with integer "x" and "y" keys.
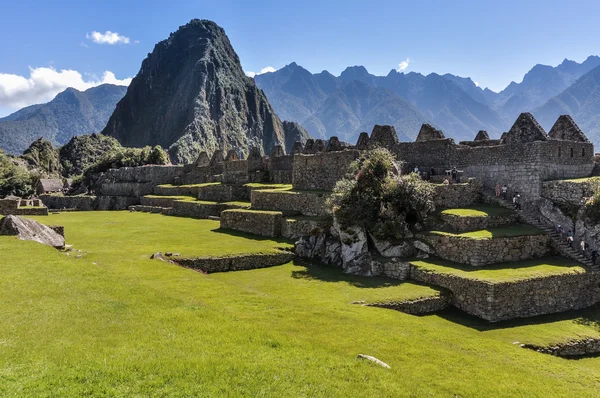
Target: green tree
{"x": 376, "y": 197}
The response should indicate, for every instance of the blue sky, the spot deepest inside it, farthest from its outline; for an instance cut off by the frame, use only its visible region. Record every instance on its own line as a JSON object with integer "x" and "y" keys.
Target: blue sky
{"x": 491, "y": 42}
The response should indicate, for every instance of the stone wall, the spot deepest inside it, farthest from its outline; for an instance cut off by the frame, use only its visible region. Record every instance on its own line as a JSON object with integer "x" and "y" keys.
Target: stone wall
{"x": 572, "y": 192}
{"x": 8, "y": 206}
{"x": 29, "y": 211}
{"x": 264, "y": 223}
{"x": 294, "y": 228}
{"x": 58, "y": 202}
{"x": 516, "y": 299}
{"x": 235, "y": 172}
{"x": 176, "y": 190}
{"x": 480, "y": 252}
{"x": 321, "y": 171}
{"x": 291, "y": 202}
{"x": 196, "y": 209}
{"x": 236, "y": 262}
{"x": 421, "y": 306}
{"x": 456, "y": 195}
{"x": 463, "y": 224}
{"x": 569, "y": 349}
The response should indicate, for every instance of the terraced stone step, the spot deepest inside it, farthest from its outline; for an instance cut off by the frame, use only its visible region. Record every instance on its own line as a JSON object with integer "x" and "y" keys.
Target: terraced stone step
{"x": 420, "y": 306}
{"x": 512, "y": 290}
{"x": 219, "y": 192}
{"x": 477, "y": 217}
{"x": 180, "y": 190}
{"x": 489, "y": 246}
{"x": 236, "y": 262}
{"x": 291, "y": 202}
{"x": 164, "y": 201}
{"x": 296, "y": 227}
{"x": 257, "y": 222}
{"x": 557, "y": 241}
{"x": 204, "y": 209}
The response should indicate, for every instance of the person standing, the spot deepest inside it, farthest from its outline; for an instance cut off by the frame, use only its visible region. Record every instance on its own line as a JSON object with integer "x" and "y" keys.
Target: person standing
{"x": 498, "y": 190}
{"x": 504, "y": 191}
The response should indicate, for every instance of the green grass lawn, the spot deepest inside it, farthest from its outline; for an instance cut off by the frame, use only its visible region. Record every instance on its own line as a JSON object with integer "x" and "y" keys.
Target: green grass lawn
{"x": 496, "y": 232}
{"x": 114, "y": 323}
{"x": 479, "y": 211}
{"x": 180, "y": 198}
{"x": 504, "y": 272}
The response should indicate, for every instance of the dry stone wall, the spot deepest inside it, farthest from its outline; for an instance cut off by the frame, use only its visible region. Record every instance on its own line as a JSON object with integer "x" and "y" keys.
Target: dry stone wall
{"x": 456, "y": 195}
{"x": 321, "y": 171}
{"x": 463, "y": 224}
{"x": 236, "y": 262}
{"x": 516, "y": 299}
{"x": 572, "y": 192}
{"x": 263, "y": 223}
{"x": 291, "y": 202}
{"x": 480, "y": 252}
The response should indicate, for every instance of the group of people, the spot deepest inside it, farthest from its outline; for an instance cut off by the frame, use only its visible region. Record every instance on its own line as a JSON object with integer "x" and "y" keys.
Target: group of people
{"x": 584, "y": 247}
{"x": 502, "y": 192}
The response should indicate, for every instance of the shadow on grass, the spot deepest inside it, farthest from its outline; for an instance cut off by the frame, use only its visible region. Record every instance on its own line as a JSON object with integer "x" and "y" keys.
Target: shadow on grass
{"x": 239, "y": 234}
{"x": 588, "y": 317}
{"x": 328, "y": 273}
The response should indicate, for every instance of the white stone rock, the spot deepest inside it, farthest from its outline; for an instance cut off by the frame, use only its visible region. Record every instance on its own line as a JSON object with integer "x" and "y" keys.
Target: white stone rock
{"x": 374, "y": 360}
{"x": 423, "y": 247}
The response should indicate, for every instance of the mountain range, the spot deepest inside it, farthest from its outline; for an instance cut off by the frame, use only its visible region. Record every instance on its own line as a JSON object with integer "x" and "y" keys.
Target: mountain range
{"x": 70, "y": 113}
{"x": 345, "y": 105}
{"x": 191, "y": 94}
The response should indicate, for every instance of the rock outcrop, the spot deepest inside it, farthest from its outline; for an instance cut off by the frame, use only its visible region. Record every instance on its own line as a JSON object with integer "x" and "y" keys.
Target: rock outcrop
{"x": 191, "y": 95}
{"x": 27, "y": 229}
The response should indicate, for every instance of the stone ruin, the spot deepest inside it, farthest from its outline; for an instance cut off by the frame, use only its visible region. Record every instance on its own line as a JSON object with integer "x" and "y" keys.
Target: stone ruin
{"x": 429, "y": 133}
{"x": 284, "y": 195}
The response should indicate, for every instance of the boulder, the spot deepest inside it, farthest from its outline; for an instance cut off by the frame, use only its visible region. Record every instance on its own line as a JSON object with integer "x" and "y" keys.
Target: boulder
{"x": 393, "y": 249}
{"x": 27, "y": 229}
{"x": 356, "y": 259}
{"x": 424, "y": 247}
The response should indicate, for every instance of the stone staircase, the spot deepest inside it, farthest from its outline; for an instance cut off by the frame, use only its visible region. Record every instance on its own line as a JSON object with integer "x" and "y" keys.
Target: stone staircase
{"x": 563, "y": 248}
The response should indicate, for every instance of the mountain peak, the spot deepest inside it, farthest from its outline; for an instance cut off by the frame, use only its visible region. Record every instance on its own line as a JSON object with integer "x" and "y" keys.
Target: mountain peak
{"x": 180, "y": 99}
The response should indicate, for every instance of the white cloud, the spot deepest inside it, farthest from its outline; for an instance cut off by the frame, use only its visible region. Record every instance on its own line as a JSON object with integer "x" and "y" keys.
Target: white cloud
{"x": 44, "y": 83}
{"x": 403, "y": 65}
{"x": 476, "y": 84}
{"x": 107, "y": 37}
{"x": 267, "y": 69}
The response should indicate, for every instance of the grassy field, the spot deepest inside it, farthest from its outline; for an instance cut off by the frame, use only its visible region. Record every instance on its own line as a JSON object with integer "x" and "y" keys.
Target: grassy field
{"x": 114, "y": 323}
{"x": 478, "y": 211}
{"x": 496, "y": 232}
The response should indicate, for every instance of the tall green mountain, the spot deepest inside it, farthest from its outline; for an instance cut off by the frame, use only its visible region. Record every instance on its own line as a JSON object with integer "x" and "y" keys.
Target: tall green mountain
{"x": 191, "y": 95}
{"x": 70, "y": 113}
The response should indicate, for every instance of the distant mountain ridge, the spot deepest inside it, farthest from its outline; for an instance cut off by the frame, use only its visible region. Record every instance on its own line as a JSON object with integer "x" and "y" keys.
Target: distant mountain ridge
{"x": 70, "y": 113}
{"x": 581, "y": 100}
{"x": 452, "y": 103}
{"x": 312, "y": 99}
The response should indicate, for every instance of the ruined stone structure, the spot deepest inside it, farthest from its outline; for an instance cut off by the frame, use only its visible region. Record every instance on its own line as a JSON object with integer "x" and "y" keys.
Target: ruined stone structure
{"x": 284, "y": 195}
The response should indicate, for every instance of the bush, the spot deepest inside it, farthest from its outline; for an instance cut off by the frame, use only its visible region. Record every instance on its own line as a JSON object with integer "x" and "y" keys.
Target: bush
{"x": 374, "y": 196}
{"x": 592, "y": 207}
{"x": 158, "y": 156}
{"x": 15, "y": 179}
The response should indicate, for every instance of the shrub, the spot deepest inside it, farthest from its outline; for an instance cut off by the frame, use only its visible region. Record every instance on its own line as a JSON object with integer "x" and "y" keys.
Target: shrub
{"x": 592, "y": 207}
{"x": 14, "y": 178}
{"x": 374, "y": 196}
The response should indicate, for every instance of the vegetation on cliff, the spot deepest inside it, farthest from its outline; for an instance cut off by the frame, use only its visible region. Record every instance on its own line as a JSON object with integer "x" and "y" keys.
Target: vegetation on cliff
{"x": 15, "y": 179}
{"x": 376, "y": 197}
{"x": 192, "y": 95}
